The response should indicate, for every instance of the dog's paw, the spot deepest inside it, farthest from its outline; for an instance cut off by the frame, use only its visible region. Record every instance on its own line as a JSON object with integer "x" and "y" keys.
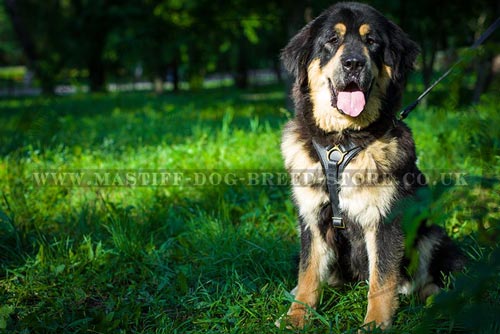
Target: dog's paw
{"x": 366, "y": 328}
{"x": 373, "y": 327}
{"x": 295, "y": 318}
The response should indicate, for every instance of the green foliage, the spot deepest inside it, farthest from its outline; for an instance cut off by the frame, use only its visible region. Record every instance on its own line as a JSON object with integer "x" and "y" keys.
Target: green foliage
{"x": 469, "y": 305}
{"x": 10, "y": 52}
{"x": 84, "y": 42}
{"x": 215, "y": 258}
{"x": 101, "y": 38}
{"x": 12, "y": 73}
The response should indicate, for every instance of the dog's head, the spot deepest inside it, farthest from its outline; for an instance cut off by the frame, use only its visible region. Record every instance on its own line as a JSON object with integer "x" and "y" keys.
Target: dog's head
{"x": 352, "y": 63}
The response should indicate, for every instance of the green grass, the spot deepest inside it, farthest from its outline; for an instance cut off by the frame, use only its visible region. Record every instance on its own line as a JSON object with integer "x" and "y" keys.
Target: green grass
{"x": 207, "y": 259}
{"x": 12, "y": 73}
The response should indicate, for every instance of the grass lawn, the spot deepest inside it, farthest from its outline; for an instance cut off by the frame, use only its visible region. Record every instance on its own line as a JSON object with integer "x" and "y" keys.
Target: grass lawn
{"x": 201, "y": 254}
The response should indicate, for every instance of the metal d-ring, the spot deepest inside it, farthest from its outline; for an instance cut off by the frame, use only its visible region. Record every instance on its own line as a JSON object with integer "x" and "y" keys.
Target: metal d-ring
{"x": 341, "y": 153}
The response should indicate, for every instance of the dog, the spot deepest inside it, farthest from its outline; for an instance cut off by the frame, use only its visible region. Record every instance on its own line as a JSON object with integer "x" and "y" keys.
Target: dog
{"x": 350, "y": 66}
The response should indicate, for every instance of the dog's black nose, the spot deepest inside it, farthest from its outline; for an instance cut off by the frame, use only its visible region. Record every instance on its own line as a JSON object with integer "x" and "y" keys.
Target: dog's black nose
{"x": 353, "y": 63}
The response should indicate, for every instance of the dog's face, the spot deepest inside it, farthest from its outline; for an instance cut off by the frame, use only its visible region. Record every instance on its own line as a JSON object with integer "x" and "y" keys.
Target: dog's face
{"x": 352, "y": 62}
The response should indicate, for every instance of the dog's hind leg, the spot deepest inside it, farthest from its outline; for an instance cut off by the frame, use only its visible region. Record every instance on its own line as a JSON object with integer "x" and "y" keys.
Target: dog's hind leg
{"x": 438, "y": 257}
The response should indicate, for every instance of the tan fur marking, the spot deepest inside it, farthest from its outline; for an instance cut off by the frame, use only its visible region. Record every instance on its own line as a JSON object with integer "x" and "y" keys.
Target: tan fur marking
{"x": 382, "y": 301}
{"x": 383, "y": 79}
{"x": 382, "y": 153}
{"x": 307, "y": 293}
{"x": 340, "y": 28}
{"x": 364, "y": 29}
{"x": 367, "y": 192}
{"x": 310, "y": 200}
{"x": 368, "y": 199}
{"x": 327, "y": 117}
{"x": 292, "y": 148}
{"x": 309, "y": 283}
{"x": 387, "y": 70}
{"x": 367, "y": 205}
{"x": 304, "y": 172}
{"x": 382, "y": 294}
{"x": 366, "y": 53}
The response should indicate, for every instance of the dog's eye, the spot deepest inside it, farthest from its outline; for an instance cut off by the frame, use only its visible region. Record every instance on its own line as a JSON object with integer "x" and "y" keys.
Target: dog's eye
{"x": 331, "y": 44}
{"x": 334, "y": 40}
{"x": 370, "y": 40}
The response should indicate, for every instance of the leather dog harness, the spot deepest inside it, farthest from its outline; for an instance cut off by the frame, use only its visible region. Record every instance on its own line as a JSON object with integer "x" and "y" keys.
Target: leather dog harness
{"x": 334, "y": 159}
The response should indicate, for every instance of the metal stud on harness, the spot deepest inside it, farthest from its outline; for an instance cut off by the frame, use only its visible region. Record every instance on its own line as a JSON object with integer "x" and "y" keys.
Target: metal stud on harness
{"x": 334, "y": 159}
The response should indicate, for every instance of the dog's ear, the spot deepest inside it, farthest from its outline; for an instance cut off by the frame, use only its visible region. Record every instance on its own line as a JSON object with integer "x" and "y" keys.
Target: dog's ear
{"x": 296, "y": 54}
{"x": 400, "y": 53}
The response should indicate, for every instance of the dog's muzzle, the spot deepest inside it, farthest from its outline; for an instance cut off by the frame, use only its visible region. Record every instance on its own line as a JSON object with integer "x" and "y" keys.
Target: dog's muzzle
{"x": 349, "y": 95}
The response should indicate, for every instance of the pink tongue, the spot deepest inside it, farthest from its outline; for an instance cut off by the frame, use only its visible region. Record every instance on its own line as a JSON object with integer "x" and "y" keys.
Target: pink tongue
{"x": 351, "y": 103}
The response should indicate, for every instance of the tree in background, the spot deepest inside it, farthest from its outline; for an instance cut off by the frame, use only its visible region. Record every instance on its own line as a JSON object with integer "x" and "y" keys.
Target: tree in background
{"x": 192, "y": 38}
{"x": 445, "y": 29}
{"x": 41, "y": 34}
{"x": 152, "y": 35}
{"x": 10, "y": 52}
{"x": 90, "y": 25}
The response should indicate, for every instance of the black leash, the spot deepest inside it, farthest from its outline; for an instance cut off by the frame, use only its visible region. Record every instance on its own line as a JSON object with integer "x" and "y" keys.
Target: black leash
{"x": 406, "y": 111}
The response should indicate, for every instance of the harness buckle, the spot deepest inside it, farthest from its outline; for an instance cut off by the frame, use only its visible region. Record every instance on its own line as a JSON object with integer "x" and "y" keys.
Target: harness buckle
{"x": 338, "y": 222}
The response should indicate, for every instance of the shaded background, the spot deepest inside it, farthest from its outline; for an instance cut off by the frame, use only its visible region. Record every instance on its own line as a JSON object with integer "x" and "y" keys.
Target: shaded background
{"x": 62, "y": 46}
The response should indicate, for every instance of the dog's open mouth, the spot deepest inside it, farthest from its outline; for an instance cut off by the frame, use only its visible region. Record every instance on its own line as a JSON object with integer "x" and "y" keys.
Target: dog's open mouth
{"x": 351, "y": 100}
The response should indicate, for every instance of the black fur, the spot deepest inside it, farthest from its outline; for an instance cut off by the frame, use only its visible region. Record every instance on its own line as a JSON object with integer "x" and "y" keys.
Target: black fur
{"x": 391, "y": 48}
{"x": 395, "y": 49}
{"x": 305, "y": 241}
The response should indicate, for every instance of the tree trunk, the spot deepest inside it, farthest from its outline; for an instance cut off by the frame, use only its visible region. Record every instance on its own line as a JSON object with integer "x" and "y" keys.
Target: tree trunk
{"x": 428, "y": 58}
{"x": 96, "y": 24}
{"x": 29, "y": 49}
{"x": 158, "y": 84}
{"x": 22, "y": 34}
{"x": 97, "y": 76}
{"x": 159, "y": 79}
{"x": 485, "y": 67}
{"x": 484, "y": 78}
{"x": 241, "y": 75}
{"x": 175, "y": 75}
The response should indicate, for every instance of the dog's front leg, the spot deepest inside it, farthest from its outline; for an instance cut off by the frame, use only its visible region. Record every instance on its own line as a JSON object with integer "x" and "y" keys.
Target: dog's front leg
{"x": 384, "y": 258}
{"x": 314, "y": 259}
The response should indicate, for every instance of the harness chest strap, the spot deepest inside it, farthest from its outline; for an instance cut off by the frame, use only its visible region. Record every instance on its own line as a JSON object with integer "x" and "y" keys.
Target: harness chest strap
{"x": 334, "y": 159}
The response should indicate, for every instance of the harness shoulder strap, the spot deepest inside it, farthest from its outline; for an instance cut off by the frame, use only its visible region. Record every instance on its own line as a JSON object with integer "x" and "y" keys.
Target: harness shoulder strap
{"x": 334, "y": 159}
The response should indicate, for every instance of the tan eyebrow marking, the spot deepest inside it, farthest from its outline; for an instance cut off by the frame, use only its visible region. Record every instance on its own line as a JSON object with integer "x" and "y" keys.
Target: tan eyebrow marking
{"x": 364, "y": 29}
{"x": 340, "y": 28}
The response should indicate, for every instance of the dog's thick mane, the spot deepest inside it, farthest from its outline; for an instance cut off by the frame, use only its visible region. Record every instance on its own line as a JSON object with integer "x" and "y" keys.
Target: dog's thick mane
{"x": 400, "y": 53}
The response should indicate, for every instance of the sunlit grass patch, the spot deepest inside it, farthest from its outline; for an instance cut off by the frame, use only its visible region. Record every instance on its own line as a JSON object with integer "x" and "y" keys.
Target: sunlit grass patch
{"x": 212, "y": 256}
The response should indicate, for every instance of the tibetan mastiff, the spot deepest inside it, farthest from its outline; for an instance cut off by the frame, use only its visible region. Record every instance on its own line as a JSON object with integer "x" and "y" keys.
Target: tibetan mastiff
{"x": 353, "y": 163}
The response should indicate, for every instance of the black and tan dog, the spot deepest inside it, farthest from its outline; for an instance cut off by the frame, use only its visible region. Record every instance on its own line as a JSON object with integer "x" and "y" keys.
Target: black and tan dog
{"x": 350, "y": 66}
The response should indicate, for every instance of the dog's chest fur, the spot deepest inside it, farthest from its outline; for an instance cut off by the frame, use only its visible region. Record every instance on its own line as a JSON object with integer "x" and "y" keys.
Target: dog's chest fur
{"x": 368, "y": 186}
